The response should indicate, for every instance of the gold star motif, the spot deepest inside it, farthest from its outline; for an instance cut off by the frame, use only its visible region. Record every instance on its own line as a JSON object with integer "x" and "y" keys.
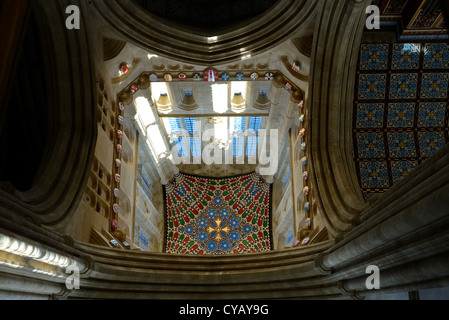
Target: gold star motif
{"x": 406, "y": 56}
{"x": 218, "y": 229}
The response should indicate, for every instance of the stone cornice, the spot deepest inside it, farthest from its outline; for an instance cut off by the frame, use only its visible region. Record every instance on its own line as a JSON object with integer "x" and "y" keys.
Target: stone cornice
{"x": 129, "y": 22}
{"x": 336, "y": 39}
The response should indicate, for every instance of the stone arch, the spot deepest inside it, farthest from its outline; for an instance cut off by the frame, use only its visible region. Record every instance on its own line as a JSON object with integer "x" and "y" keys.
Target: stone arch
{"x": 67, "y": 155}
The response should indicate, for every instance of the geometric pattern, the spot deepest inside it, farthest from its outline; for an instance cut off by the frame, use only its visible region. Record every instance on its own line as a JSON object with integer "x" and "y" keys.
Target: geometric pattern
{"x": 403, "y": 86}
{"x": 217, "y": 216}
{"x": 405, "y": 56}
{"x": 372, "y": 86}
{"x": 370, "y": 145}
{"x": 401, "y": 111}
{"x": 370, "y": 115}
{"x": 436, "y": 56}
{"x": 374, "y": 57}
{"x": 413, "y": 24}
{"x": 401, "y": 144}
{"x": 374, "y": 174}
{"x": 434, "y": 85}
{"x": 401, "y": 115}
{"x": 430, "y": 142}
{"x": 402, "y": 168}
{"x": 431, "y": 114}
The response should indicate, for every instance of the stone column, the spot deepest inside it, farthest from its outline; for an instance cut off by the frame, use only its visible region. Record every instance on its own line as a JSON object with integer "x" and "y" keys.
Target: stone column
{"x": 336, "y": 44}
{"x": 280, "y": 118}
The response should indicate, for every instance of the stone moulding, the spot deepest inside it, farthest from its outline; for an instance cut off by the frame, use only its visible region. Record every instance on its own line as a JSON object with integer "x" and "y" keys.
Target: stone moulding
{"x": 147, "y": 31}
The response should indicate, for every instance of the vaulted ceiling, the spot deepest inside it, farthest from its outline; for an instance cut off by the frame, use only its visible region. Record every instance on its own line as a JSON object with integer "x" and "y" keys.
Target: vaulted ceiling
{"x": 400, "y": 116}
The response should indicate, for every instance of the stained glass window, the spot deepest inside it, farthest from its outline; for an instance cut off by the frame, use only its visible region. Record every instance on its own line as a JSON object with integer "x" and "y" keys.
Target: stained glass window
{"x": 190, "y": 124}
{"x": 238, "y": 126}
{"x": 195, "y": 146}
{"x": 175, "y": 125}
{"x": 181, "y": 146}
{"x": 254, "y": 127}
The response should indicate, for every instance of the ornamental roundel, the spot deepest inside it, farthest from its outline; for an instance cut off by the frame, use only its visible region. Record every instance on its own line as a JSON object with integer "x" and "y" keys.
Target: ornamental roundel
{"x": 197, "y": 77}
{"x": 307, "y": 206}
{"x": 269, "y": 76}
{"x": 254, "y": 76}
{"x": 240, "y": 76}
{"x": 168, "y": 77}
{"x": 124, "y": 68}
{"x": 210, "y": 75}
{"x": 217, "y": 216}
{"x": 134, "y": 88}
{"x": 225, "y": 77}
{"x": 182, "y": 77}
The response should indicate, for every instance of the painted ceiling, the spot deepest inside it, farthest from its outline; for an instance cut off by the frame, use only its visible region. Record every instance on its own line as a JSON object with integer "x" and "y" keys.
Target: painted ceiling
{"x": 217, "y": 216}
{"x": 413, "y": 19}
{"x": 400, "y": 110}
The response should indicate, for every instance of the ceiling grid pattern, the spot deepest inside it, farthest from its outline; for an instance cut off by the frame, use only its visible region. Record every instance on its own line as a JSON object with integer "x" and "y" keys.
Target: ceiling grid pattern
{"x": 400, "y": 110}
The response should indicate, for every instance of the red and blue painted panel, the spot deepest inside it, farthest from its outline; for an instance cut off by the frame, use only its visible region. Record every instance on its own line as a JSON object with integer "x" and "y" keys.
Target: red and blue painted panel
{"x": 217, "y": 216}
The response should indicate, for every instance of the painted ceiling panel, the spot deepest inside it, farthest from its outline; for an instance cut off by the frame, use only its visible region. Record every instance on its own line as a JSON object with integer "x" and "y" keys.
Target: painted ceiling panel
{"x": 400, "y": 110}
{"x": 217, "y": 216}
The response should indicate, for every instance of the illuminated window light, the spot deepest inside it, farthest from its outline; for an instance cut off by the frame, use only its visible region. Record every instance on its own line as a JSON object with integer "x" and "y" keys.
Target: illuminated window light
{"x": 253, "y": 128}
{"x": 150, "y": 56}
{"x": 145, "y": 112}
{"x": 220, "y": 97}
{"x": 212, "y": 39}
{"x": 239, "y": 86}
{"x": 158, "y": 88}
{"x": 221, "y": 131}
